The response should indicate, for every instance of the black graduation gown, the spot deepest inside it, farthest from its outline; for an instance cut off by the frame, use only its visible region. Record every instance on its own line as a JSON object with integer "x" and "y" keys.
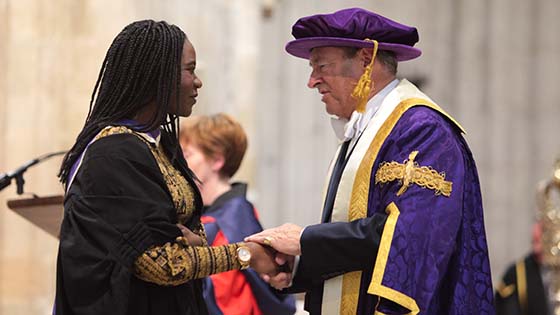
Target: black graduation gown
{"x": 508, "y": 297}
{"x": 117, "y": 207}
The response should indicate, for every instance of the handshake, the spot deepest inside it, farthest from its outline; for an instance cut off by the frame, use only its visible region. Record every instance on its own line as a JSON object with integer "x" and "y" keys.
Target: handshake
{"x": 273, "y": 253}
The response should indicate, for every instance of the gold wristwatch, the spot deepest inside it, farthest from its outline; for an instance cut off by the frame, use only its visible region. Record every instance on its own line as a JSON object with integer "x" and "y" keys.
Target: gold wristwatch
{"x": 244, "y": 256}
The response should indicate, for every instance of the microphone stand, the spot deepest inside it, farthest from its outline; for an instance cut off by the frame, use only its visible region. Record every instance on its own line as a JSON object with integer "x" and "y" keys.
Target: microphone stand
{"x": 6, "y": 178}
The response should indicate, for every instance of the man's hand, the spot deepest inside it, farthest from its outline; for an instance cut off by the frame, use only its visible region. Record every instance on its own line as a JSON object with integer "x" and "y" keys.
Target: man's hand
{"x": 192, "y": 238}
{"x": 284, "y": 238}
{"x": 262, "y": 259}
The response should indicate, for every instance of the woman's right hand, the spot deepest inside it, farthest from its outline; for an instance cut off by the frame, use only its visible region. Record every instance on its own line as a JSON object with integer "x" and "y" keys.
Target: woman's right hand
{"x": 262, "y": 259}
{"x": 192, "y": 238}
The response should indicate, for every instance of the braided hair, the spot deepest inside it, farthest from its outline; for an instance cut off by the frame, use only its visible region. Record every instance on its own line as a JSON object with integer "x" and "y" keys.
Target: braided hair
{"x": 142, "y": 66}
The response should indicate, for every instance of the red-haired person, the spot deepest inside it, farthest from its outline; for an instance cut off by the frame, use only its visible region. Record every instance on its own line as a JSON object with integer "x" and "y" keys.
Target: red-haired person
{"x": 214, "y": 147}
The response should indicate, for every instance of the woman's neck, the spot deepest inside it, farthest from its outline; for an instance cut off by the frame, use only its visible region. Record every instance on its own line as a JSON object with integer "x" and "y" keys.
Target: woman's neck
{"x": 213, "y": 188}
{"x": 145, "y": 116}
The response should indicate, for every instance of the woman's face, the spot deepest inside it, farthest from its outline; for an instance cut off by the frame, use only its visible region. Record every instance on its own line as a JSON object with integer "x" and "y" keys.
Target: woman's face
{"x": 202, "y": 166}
{"x": 190, "y": 83}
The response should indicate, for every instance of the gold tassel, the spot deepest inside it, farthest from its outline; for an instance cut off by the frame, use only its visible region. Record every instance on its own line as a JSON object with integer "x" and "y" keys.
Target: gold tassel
{"x": 365, "y": 84}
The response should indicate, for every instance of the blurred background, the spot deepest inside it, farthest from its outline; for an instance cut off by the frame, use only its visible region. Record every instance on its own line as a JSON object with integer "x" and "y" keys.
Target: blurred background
{"x": 493, "y": 65}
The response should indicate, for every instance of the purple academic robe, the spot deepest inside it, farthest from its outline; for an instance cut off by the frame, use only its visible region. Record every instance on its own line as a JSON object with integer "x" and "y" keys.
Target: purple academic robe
{"x": 430, "y": 256}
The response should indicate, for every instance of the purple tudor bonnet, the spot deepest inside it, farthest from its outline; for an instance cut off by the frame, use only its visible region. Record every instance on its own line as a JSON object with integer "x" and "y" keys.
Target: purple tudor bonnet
{"x": 350, "y": 27}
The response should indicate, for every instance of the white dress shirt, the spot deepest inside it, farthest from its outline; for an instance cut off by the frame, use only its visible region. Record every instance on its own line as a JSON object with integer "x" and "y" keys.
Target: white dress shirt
{"x": 351, "y": 129}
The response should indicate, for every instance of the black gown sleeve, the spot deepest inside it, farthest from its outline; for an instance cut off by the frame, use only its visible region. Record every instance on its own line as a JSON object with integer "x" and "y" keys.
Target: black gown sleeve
{"x": 117, "y": 211}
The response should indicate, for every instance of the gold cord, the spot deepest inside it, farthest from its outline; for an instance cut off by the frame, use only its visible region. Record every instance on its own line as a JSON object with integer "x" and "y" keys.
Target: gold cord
{"x": 365, "y": 84}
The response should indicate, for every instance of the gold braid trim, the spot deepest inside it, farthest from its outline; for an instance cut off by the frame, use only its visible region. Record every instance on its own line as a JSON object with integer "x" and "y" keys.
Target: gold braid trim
{"x": 181, "y": 192}
{"x": 349, "y": 300}
{"x": 376, "y": 286}
{"x": 176, "y": 263}
{"x": 111, "y": 130}
{"x": 179, "y": 188}
{"x": 409, "y": 172}
{"x": 358, "y": 209}
{"x": 521, "y": 285}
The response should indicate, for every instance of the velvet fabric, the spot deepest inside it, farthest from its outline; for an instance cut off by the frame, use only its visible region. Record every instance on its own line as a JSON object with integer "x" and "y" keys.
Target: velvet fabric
{"x": 438, "y": 254}
{"x": 350, "y": 27}
{"x": 437, "y": 257}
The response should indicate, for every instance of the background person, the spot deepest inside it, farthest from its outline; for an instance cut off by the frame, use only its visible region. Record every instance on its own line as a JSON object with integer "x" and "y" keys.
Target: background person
{"x": 532, "y": 284}
{"x": 214, "y": 147}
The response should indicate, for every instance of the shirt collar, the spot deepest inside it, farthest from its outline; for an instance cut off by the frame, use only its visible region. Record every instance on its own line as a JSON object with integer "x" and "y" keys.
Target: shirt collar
{"x": 346, "y": 129}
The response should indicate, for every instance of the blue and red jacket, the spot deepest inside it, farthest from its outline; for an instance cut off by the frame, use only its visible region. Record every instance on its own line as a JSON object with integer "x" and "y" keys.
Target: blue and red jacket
{"x": 238, "y": 292}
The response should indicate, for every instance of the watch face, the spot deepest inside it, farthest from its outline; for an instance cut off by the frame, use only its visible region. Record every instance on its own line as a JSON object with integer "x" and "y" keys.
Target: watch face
{"x": 244, "y": 254}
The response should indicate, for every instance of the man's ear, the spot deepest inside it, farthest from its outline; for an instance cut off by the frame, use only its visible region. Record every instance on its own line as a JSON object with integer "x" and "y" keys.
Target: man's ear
{"x": 366, "y": 55}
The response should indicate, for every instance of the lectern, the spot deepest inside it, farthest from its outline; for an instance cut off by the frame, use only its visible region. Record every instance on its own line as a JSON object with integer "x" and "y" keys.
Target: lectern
{"x": 44, "y": 212}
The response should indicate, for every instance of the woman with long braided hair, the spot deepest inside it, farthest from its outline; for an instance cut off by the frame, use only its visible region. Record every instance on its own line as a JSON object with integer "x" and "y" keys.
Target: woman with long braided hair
{"x": 131, "y": 241}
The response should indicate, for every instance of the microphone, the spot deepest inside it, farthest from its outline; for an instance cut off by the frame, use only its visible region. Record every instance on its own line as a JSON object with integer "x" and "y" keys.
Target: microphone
{"x": 6, "y": 178}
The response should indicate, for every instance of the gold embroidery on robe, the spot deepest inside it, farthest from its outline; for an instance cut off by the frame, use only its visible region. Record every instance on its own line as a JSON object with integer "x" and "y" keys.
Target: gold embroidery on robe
{"x": 174, "y": 263}
{"x": 410, "y": 172}
{"x": 177, "y": 262}
{"x": 181, "y": 191}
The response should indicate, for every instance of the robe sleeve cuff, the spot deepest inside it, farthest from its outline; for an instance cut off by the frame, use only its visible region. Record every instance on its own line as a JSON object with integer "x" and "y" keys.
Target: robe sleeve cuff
{"x": 376, "y": 286}
{"x": 134, "y": 243}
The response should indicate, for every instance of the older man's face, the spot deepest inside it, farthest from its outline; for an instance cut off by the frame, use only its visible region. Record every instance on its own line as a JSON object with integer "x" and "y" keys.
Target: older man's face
{"x": 335, "y": 76}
